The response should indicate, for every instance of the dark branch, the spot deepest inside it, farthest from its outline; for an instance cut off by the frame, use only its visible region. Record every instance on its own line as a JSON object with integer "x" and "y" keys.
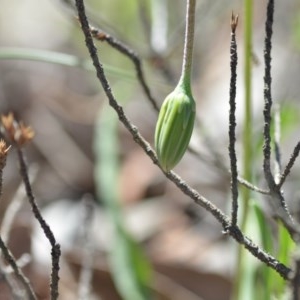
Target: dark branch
{"x": 268, "y": 97}
{"x": 277, "y": 199}
{"x": 232, "y": 122}
{"x": 55, "y": 251}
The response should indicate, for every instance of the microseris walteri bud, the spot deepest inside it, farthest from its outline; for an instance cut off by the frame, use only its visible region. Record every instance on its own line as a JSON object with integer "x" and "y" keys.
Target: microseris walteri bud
{"x": 177, "y": 115}
{"x": 174, "y": 127}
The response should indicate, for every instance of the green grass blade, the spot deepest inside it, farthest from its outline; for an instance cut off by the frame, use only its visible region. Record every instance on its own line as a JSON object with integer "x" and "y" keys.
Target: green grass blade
{"x": 52, "y": 57}
{"x": 265, "y": 273}
{"x": 130, "y": 269}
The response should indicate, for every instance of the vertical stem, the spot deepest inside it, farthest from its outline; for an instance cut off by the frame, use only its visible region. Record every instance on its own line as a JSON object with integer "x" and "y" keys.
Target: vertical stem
{"x": 232, "y": 122}
{"x": 247, "y": 136}
{"x": 268, "y": 96}
{"x": 188, "y": 44}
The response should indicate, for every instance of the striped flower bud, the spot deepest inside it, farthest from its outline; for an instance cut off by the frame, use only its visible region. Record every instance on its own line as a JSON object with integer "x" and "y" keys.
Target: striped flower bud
{"x": 174, "y": 126}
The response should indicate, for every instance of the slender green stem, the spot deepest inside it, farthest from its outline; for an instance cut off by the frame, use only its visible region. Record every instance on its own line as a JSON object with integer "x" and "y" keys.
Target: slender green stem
{"x": 247, "y": 137}
{"x": 188, "y": 43}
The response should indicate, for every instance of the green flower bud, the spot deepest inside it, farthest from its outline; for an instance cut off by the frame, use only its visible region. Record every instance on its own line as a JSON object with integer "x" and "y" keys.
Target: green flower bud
{"x": 174, "y": 126}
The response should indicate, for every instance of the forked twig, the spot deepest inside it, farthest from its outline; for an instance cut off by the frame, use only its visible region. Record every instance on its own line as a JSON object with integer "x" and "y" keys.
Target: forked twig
{"x": 100, "y": 35}
{"x": 233, "y": 231}
{"x": 278, "y": 202}
{"x": 268, "y": 98}
{"x": 55, "y": 247}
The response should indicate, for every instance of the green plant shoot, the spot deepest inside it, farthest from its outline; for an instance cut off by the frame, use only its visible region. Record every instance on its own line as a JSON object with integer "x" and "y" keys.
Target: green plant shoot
{"x": 177, "y": 115}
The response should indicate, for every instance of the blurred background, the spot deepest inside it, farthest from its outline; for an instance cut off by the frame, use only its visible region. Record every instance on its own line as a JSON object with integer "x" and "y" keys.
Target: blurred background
{"x": 47, "y": 81}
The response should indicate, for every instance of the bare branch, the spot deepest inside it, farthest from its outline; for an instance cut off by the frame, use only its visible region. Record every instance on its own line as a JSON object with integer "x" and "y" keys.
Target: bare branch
{"x": 232, "y": 122}
{"x": 124, "y": 49}
{"x": 252, "y": 187}
{"x": 233, "y": 231}
{"x": 278, "y": 202}
{"x": 55, "y": 247}
{"x": 290, "y": 164}
{"x": 268, "y": 97}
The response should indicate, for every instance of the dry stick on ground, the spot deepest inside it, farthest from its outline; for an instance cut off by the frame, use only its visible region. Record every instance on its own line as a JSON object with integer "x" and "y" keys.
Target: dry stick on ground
{"x": 233, "y": 231}
{"x": 55, "y": 247}
{"x": 277, "y": 200}
{"x": 232, "y": 122}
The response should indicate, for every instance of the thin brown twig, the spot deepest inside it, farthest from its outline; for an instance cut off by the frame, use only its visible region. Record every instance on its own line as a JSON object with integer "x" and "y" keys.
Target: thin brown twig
{"x": 10, "y": 280}
{"x": 252, "y": 187}
{"x": 233, "y": 231}
{"x": 100, "y": 35}
{"x": 55, "y": 247}
{"x": 278, "y": 202}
